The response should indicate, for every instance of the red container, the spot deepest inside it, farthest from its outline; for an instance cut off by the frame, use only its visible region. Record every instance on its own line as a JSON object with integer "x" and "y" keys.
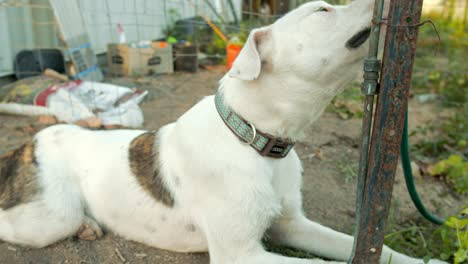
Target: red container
{"x": 232, "y": 50}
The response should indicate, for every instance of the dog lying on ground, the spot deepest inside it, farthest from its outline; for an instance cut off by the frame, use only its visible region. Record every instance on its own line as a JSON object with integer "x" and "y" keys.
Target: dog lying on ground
{"x": 220, "y": 177}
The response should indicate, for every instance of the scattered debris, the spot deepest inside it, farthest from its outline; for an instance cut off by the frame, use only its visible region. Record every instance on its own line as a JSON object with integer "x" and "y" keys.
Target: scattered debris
{"x": 119, "y": 254}
{"x": 140, "y": 255}
{"x": 12, "y": 248}
{"x": 316, "y": 153}
{"x": 47, "y": 120}
{"x": 89, "y": 104}
{"x": 426, "y": 98}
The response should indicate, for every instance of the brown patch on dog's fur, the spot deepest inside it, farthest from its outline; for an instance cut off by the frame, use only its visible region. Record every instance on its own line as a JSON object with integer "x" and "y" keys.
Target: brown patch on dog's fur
{"x": 144, "y": 164}
{"x": 18, "y": 181}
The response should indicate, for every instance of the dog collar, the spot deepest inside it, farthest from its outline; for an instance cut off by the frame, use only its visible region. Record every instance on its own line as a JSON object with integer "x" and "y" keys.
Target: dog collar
{"x": 267, "y": 145}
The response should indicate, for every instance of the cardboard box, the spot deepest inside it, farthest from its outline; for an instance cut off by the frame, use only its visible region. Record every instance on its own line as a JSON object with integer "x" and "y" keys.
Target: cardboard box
{"x": 124, "y": 60}
{"x": 163, "y": 61}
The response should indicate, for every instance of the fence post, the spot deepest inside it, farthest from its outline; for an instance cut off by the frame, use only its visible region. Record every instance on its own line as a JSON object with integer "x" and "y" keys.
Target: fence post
{"x": 399, "y": 51}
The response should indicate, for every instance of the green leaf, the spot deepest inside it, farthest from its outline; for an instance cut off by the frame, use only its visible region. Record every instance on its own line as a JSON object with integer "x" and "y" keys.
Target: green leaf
{"x": 444, "y": 256}
{"x": 456, "y": 171}
{"x": 454, "y": 159}
{"x": 460, "y": 256}
{"x": 426, "y": 259}
{"x": 454, "y": 222}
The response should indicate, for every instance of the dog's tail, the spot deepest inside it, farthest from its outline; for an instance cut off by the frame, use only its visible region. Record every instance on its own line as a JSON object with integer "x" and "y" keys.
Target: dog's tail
{"x": 23, "y": 109}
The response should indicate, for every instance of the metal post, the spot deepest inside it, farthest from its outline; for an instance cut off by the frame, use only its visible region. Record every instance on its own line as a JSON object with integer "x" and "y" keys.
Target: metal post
{"x": 395, "y": 80}
{"x": 369, "y": 89}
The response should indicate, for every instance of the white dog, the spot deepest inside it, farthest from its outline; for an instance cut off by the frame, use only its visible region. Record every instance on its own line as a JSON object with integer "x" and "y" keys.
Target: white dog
{"x": 194, "y": 185}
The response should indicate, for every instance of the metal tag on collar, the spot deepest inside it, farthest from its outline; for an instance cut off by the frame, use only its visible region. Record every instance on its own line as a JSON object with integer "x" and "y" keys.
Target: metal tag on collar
{"x": 276, "y": 148}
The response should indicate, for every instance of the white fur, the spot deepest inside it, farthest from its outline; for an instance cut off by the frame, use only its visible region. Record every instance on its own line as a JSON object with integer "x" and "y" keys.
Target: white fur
{"x": 230, "y": 193}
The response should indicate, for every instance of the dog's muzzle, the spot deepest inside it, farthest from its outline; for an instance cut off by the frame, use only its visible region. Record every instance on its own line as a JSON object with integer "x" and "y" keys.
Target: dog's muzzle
{"x": 358, "y": 39}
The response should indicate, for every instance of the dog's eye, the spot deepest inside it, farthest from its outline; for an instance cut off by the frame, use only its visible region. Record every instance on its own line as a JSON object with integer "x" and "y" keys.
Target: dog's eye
{"x": 322, "y": 9}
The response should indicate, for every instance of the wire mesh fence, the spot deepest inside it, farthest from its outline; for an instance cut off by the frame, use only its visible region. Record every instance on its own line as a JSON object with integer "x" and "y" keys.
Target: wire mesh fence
{"x": 199, "y": 33}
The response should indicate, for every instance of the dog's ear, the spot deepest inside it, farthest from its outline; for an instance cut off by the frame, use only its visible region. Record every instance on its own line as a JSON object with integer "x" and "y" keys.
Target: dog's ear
{"x": 248, "y": 63}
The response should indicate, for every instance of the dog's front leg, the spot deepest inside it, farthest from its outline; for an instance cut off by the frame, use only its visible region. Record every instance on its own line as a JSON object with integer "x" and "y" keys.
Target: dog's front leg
{"x": 293, "y": 229}
{"x": 299, "y": 232}
{"x": 234, "y": 238}
{"x": 234, "y": 224}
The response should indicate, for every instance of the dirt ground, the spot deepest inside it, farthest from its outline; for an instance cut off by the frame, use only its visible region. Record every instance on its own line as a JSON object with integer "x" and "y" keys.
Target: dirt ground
{"x": 331, "y": 143}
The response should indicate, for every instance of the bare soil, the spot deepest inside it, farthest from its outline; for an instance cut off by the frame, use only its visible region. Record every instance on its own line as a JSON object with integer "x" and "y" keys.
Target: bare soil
{"x": 331, "y": 142}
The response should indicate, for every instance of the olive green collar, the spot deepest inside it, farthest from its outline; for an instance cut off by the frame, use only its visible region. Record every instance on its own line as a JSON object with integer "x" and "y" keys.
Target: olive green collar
{"x": 267, "y": 145}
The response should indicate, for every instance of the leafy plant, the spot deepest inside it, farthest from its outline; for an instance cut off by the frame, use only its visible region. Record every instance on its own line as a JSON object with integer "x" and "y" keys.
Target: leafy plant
{"x": 456, "y": 171}
{"x": 448, "y": 242}
{"x": 461, "y": 229}
{"x": 440, "y": 66}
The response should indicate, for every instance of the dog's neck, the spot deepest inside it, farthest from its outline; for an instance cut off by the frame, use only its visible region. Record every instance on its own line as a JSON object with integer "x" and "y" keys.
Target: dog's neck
{"x": 273, "y": 108}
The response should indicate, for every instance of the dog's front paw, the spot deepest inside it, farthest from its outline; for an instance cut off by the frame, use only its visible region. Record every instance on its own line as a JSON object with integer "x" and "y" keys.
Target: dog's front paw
{"x": 89, "y": 230}
{"x": 86, "y": 232}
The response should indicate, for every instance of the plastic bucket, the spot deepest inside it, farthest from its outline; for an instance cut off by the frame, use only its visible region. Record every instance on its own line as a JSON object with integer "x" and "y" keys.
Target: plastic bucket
{"x": 232, "y": 50}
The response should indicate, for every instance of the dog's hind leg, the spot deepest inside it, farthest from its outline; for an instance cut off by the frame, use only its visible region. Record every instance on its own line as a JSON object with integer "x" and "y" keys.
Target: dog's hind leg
{"x": 38, "y": 203}
{"x": 35, "y": 224}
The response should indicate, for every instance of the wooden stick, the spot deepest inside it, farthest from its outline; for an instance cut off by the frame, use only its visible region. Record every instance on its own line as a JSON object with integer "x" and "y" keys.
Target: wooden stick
{"x": 53, "y": 74}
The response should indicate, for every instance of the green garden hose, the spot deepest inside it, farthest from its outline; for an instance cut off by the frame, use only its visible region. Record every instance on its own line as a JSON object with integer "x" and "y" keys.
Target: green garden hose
{"x": 409, "y": 179}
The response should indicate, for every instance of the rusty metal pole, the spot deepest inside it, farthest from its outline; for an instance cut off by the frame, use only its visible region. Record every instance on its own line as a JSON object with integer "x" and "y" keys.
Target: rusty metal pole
{"x": 399, "y": 51}
{"x": 369, "y": 88}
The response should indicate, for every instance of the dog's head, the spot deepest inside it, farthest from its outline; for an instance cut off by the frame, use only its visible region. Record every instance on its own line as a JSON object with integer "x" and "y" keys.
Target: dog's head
{"x": 304, "y": 58}
{"x": 312, "y": 41}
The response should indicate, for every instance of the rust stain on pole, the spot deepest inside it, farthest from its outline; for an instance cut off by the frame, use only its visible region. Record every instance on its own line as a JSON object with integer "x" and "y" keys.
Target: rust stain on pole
{"x": 400, "y": 48}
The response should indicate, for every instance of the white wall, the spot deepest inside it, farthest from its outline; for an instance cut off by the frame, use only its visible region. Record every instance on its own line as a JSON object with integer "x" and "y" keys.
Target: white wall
{"x": 141, "y": 19}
